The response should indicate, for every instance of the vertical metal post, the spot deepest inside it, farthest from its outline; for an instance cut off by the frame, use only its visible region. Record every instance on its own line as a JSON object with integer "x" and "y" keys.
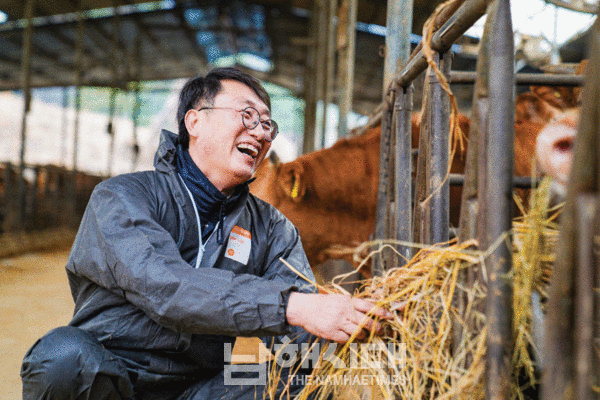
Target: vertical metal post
{"x": 26, "y": 88}
{"x": 438, "y": 186}
{"x": 421, "y": 216}
{"x": 397, "y": 39}
{"x": 346, "y": 46}
{"x": 403, "y": 170}
{"x": 329, "y": 78}
{"x": 320, "y": 71}
{"x": 585, "y": 279}
{"x": 560, "y": 376}
{"x": 382, "y": 214}
{"x": 500, "y": 150}
{"x": 471, "y": 205}
{"x": 474, "y": 179}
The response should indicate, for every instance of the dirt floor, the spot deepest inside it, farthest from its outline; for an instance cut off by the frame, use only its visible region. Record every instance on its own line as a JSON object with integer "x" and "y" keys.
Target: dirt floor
{"x": 34, "y": 298}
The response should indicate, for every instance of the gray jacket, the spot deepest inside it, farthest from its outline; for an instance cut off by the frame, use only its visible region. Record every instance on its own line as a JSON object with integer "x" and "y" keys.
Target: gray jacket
{"x": 132, "y": 275}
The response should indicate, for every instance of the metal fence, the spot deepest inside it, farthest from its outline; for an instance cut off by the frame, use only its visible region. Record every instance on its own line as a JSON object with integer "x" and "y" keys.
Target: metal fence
{"x": 421, "y": 215}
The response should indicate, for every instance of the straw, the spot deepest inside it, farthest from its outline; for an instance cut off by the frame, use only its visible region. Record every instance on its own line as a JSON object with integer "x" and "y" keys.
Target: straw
{"x": 420, "y": 295}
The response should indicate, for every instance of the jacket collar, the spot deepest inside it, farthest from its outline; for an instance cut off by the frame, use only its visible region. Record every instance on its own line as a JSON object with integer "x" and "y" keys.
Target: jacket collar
{"x": 164, "y": 158}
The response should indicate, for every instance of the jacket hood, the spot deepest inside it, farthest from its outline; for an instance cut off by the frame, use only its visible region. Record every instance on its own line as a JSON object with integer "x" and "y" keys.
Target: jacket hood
{"x": 164, "y": 158}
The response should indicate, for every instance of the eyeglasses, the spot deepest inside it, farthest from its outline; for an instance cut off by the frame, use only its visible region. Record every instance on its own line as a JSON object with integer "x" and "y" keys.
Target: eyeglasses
{"x": 251, "y": 119}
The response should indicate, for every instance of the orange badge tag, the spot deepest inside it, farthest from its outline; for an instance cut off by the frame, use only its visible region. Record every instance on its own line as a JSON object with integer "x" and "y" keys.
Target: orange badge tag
{"x": 238, "y": 247}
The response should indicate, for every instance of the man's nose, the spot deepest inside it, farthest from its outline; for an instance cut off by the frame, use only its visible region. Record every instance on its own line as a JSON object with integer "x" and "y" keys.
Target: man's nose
{"x": 259, "y": 132}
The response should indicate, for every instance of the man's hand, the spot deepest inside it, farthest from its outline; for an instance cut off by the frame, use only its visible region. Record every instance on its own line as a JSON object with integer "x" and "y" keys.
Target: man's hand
{"x": 334, "y": 316}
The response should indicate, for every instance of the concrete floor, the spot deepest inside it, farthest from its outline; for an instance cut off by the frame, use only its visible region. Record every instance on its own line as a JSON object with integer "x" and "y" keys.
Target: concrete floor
{"x": 35, "y": 298}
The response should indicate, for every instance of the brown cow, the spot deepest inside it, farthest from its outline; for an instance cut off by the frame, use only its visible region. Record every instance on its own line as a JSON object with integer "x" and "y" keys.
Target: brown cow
{"x": 330, "y": 195}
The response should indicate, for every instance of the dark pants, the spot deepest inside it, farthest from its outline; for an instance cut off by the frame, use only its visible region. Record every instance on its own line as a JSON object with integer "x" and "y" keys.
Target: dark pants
{"x": 69, "y": 363}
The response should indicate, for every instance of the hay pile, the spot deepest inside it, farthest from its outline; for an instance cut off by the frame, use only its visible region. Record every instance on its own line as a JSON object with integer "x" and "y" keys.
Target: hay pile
{"x": 445, "y": 342}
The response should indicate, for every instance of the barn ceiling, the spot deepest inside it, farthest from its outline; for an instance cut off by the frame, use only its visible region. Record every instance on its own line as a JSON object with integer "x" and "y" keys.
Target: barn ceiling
{"x": 130, "y": 40}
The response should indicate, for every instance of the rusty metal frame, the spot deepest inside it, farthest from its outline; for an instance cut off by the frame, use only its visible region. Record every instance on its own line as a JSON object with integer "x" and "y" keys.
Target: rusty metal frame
{"x": 439, "y": 147}
{"x": 498, "y": 197}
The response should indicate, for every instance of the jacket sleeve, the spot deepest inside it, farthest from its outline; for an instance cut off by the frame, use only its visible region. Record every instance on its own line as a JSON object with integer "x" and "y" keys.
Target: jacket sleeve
{"x": 285, "y": 244}
{"x": 122, "y": 247}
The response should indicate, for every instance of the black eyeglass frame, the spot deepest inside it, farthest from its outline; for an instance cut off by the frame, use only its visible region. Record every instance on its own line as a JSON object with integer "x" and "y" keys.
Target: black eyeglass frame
{"x": 274, "y": 127}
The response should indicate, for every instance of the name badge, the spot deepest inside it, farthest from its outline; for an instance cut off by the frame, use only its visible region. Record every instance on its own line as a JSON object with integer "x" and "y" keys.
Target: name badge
{"x": 238, "y": 247}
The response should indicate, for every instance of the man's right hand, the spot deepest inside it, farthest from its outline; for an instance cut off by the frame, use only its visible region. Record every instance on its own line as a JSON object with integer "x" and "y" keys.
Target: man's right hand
{"x": 334, "y": 317}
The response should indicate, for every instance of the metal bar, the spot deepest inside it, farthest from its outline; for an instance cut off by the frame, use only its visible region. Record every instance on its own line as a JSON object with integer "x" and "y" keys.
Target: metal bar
{"x": 467, "y": 77}
{"x": 26, "y": 88}
{"x": 403, "y": 170}
{"x": 377, "y": 267}
{"x": 500, "y": 150}
{"x": 585, "y": 211}
{"x": 440, "y": 19}
{"x": 397, "y": 40}
{"x": 442, "y": 40}
{"x": 470, "y": 202}
{"x": 559, "y": 378}
{"x": 421, "y": 216}
{"x": 438, "y": 186}
{"x": 519, "y": 182}
{"x": 346, "y": 46}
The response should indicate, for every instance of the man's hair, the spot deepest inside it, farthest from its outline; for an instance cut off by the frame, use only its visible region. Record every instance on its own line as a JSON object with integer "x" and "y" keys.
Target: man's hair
{"x": 203, "y": 90}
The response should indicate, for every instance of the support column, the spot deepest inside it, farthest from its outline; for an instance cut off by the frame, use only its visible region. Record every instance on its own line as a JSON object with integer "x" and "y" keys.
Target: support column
{"x": 26, "y": 89}
{"x": 397, "y": 40}
{"x": 346, "y": 48}
{"x": 78, "y": 83}
{"x": 310, "y": 88}
{"x": 329, "y": 81}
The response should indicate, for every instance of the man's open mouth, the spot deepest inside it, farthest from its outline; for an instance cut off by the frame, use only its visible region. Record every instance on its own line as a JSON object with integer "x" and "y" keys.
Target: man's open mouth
{"x": 248, "y": 149}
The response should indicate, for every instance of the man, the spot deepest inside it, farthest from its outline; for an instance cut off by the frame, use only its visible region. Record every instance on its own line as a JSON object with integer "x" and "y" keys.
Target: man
{"x": 169, "y": 266}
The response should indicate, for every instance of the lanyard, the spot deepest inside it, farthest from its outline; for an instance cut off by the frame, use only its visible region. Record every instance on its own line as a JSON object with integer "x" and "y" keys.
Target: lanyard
{"x": 200, "y": 244}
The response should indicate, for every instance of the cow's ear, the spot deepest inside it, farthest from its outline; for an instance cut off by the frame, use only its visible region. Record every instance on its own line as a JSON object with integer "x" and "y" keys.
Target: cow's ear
{"x": 291, "y": 181}
{"x": 274, "y": 158}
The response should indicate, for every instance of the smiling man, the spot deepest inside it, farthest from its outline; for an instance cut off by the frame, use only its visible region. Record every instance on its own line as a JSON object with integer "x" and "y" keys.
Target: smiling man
{"x": 170, "y": 266}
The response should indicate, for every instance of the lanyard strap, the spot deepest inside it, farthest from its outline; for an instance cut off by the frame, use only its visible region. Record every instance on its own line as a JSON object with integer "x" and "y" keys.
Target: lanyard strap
{"x": 200, "y": 244}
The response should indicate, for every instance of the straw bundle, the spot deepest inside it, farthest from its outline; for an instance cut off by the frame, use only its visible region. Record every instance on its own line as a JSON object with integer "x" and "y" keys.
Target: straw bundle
{"x": 444, "y": 344}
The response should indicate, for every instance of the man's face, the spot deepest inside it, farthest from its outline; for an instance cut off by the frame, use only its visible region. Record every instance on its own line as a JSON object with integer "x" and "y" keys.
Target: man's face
{"x": 225, "y": 150}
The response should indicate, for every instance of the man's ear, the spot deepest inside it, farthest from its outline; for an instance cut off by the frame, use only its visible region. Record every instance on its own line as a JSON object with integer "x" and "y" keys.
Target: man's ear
{"x": 192, "y": 119}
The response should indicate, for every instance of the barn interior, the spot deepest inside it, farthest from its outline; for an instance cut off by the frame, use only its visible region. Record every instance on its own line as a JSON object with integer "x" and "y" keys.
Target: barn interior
{"x": 306, "y": 48}
{"x": 128, "y": 49}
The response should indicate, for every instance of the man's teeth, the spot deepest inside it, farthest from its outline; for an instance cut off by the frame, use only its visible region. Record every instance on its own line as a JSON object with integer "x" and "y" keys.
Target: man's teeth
{"x": 248, "y": 149}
